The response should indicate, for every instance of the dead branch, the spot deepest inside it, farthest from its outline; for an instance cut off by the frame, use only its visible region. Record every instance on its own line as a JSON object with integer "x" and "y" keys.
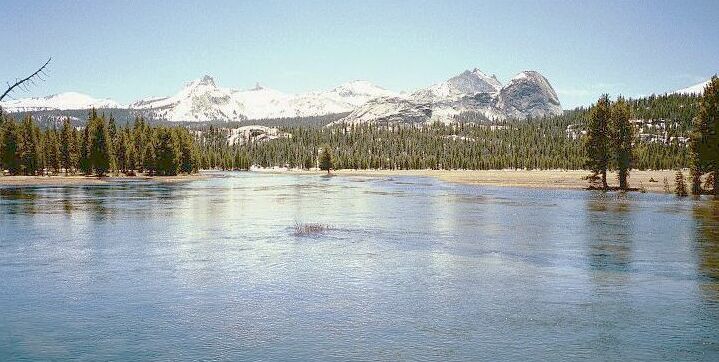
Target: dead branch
{"x": 31, "y": 79}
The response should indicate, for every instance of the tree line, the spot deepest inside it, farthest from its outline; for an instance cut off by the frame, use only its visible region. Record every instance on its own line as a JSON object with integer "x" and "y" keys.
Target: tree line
{"x": 99, "y": 148}
{"x": 470, "y": 142}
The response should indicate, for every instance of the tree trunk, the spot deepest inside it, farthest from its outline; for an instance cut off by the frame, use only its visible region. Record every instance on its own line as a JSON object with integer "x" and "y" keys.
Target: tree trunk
{"x": 623, "y": 179}
{"x": 696, "y": 182}
{"x": 604, "y": 179}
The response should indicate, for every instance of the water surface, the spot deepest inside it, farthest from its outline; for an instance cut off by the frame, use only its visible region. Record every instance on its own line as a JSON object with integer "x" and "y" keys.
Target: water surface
{"x": 412, "y": 268}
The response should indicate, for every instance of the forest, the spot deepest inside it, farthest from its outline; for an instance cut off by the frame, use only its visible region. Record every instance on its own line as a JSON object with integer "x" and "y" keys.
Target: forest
{"x": 102, "y": 146}
{"x": 99, "y": 148}
{"x": 471, "y": 142}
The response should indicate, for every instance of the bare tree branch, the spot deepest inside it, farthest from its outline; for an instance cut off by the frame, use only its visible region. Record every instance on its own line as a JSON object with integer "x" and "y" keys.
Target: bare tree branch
{"x": 37, "y": 74}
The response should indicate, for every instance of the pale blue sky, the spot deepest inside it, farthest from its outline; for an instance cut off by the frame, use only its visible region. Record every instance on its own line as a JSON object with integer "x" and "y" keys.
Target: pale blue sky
{"x": 131, "y": 49}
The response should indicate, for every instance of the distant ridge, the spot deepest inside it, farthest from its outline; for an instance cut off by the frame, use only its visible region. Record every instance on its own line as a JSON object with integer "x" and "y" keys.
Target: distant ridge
{"x": 528, "y": 94}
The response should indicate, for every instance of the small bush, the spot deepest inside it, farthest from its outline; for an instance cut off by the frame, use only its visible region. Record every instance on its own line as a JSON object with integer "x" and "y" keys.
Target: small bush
{"x": 309, "y": 229}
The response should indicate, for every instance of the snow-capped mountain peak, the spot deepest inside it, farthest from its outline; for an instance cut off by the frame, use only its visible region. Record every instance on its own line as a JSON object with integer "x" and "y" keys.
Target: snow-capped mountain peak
{"x": 528, "y": 94}
{"x": 355, "y": 93}
{"x": 361, "y": 87}
{"x": 205, "y": 80}
{"x": 199, "y": 100}
{"x": 467, "y": 83}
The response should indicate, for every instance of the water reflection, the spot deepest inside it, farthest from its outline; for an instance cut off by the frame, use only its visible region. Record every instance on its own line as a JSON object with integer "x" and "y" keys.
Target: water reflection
{"x": 412, "y": 270}
{"x": 707, "y": 240}
{"x": 610, "y": 223}
{"x": 98, "y": 202}
{"x": 17, "y": 200}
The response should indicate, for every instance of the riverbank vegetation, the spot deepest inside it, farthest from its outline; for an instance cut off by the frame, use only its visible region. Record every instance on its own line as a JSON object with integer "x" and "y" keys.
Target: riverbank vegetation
{"x": 99, "y": 148}
{"x": 645, "y": 134}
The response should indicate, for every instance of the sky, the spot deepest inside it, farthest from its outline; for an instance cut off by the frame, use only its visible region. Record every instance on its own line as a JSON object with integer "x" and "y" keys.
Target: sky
{"x": 128, "y": 50}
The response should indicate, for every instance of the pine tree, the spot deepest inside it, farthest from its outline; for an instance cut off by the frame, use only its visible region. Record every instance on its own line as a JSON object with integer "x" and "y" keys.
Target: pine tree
{"x": 149, "y": 158}
{"x": 52, "y": 151}
{"x": 597, "y": 140}
{"x": 130, "y": 153}
{"x": 622, "y": 138}
{"x": 84, "y": 143}
{"x": 326, "y": 159}
{"x": 10, "y": 147}
{"x": 140, "y": 135}
{"x": 30, "y": 162}
{"x": 68, "y": 147}
{"x": 680, "y": 185}
{"x": 113, "y": 136}
{"x": 704, "y": 144}
{"x": 188, "y": 157}
{"x": 101, "y": 152}
{"x": 167, "y": 153}
{"x": 120, "y": 148}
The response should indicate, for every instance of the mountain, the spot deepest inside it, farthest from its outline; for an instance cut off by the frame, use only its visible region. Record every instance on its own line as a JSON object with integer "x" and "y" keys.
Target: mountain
{"x": 697, "y": 89}
{"x": 199, "y": 100}
{"x": 202, "y": 100}
{"x": 528, "y": 94}
{"x": 60, "y": 101}
{"x": 467, "y": 83}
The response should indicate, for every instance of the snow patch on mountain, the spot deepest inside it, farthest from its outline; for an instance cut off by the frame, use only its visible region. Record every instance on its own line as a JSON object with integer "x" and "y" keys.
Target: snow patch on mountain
{"x": 203, "y": 100}
{"x": 60, "y": 101}
{"x": 528, "y": 94}
{"x": 470, "y": 82}
{"x": 697, "y": 89}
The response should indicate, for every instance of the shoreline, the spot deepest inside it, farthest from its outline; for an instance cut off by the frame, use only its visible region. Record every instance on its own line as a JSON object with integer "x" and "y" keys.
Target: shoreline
{"x": 538, "y": 179}
{"x": 541, "y": 179}
{"x": 82, "y": 180}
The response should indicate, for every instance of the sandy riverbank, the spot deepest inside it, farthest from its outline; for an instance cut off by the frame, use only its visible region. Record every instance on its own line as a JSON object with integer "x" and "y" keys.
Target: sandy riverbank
{"x": 89, "y": 180}
{"x": 551, "y": 179}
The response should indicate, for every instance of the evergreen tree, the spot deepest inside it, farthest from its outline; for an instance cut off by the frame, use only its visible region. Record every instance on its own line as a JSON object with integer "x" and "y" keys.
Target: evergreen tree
{"x": 2, "y": 140}
{"x": 704, "y": 140}
{"x": 85, "y": 143}
{"x": 597, "y": 140}
{"x": 622, "y": 138}
{"x": 148, "y": 158}
{"x": 188, "y": 157}
{"x": 167, "y": 153}
{"x": 51, "y": 147}
{"x": 68, "y": 147}
{"x": 140, "y": 135}
{"x": 10, "y": 147}
{"x": 130, "y": 153}
{"x": 680, "y": 185}
{"x": 120, "y": 148}
{"x": 101, "y": 152}
{"x": 114, "y": 140}
{"x": 326, "y": 162}
{"x": 30, "y": 151}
